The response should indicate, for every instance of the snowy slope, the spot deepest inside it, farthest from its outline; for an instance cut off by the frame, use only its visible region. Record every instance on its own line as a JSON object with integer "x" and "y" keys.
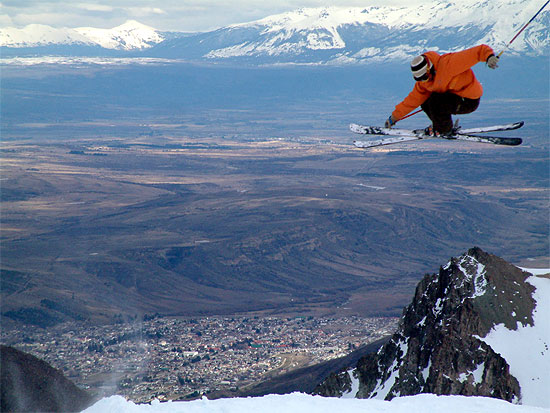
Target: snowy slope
{"x": 527, "y": 349}
{"x": 128, "y": 36}
{"x": 302, "y": 403}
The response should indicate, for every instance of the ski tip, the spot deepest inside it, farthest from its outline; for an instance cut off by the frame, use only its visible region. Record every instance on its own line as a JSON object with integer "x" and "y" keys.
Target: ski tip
{"x": 508, "y": 141}
{"x": 520, "y": 123}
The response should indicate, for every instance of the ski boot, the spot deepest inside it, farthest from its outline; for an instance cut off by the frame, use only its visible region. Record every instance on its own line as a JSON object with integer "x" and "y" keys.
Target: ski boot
{"x": 452, "y": 134}
{"x": 429, "y": 131}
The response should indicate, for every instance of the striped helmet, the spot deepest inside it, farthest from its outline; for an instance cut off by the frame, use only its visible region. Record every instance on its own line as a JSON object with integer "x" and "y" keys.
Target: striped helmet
{"x": 420, "y": 67}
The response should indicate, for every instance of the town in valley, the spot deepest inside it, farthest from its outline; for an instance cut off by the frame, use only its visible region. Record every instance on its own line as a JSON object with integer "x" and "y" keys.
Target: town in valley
{"x": 175, "y": 358}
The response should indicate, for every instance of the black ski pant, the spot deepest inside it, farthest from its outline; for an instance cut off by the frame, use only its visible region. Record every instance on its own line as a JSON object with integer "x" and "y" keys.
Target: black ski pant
{"x": 440, "y": 106}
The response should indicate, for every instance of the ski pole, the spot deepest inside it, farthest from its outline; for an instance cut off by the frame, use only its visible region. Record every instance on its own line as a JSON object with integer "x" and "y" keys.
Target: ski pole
{"x": 523, "y": 28}
{"x": 411, "y": 114}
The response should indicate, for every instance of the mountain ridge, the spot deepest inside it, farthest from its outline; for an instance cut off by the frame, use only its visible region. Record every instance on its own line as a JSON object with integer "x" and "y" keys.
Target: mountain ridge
{"x": 322, "y": 35}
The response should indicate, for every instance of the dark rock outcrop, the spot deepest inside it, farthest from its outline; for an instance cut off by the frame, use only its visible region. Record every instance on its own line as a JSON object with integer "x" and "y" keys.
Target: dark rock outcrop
{"x": 29, "y": 384}
{"x": 437, "y": 347}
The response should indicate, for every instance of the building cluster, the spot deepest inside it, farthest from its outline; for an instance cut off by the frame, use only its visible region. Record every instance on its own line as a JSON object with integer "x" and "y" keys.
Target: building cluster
{"x": 178, "y": 358}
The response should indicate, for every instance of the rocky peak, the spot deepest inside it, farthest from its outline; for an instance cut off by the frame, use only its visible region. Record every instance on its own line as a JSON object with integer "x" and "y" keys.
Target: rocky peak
{"x": 437, "y": 347}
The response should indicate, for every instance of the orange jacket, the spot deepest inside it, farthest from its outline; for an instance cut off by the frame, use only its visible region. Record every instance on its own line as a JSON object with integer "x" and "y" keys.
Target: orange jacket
{"x": 453, "y": 74}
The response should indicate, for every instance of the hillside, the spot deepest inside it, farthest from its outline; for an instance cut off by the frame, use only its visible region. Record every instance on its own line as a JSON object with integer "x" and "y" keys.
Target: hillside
{"x": 29, "y": 384}
{"x": 184, "y": 226}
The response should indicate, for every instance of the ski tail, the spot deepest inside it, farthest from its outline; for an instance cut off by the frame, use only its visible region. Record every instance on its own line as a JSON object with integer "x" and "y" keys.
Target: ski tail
{"x": 368, "y": 130}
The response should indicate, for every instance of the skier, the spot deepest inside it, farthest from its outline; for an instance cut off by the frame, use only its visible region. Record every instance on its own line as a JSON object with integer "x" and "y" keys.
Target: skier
{"x": 445, "y": 85}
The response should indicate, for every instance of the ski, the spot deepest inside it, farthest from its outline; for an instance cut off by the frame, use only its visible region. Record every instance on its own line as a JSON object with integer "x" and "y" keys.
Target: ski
{"x": 496, "y": 128}
{"x": 411, "y": 136}
{"x": 375, "y": 130}
{"x": 386, "y": 141}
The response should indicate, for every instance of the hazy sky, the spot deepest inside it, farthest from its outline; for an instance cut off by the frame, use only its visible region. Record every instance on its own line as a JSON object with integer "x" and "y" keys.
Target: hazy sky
{"x": 178, "y": 15}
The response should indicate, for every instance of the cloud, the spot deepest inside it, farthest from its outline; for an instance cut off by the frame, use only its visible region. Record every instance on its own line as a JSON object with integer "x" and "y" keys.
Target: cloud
{"x": 94, "y": 7}
{"x": 177, "y": 15}
{"x": 145, "y": 11}
{"x": 5, "y": 20}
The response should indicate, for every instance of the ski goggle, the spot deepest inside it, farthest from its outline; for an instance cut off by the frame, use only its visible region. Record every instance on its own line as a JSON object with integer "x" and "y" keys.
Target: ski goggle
{"x": 423, "y": 78}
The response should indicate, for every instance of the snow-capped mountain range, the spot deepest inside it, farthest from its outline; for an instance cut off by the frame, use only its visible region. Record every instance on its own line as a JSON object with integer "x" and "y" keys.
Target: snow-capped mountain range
{"x": 128, "y": 36}
{"x": 335, "y": 35}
